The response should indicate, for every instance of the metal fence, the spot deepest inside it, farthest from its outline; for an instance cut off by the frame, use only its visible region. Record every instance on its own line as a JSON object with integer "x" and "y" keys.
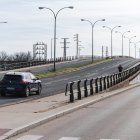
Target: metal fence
{"x": 10, "y": 65}
{"x": 87, "y": 87}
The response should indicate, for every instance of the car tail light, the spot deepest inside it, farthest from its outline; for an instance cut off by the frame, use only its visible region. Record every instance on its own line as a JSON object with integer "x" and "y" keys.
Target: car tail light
{"x": 22, "y": 82}
{"x": 1, "y": 82}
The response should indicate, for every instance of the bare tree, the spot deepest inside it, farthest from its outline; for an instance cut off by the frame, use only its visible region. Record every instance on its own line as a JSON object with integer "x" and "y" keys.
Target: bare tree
{"x": 3, "y": 56}
{"x": 10, "y": 58}
{"x": 21, "y": 56}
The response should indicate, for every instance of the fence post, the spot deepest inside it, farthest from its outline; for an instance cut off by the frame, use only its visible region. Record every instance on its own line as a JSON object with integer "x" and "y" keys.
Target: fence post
{"x": 117, "y": 78}
{"x": 71, "y": 92}
{"x": 104, "y": 80}
{"x": 114, "y": 79}
{"x": 107, "y": 81}
{"x": 123, "y": 75}
{"x": 79, "y": 90}
{"x": 91, "y": 86}
{"x": 101, "y": 84}
{"x": 96, "y": 85}
{"x": 85, "y": 88}
{"x": 111, "y": 81}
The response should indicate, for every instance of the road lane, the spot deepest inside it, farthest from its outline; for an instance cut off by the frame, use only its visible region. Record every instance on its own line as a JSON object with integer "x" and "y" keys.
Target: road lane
{"x": 114, "y": 118}
{"x": 56, "y": 84}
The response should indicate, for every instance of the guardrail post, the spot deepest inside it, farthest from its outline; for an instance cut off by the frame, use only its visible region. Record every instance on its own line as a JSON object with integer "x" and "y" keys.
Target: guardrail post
{"x": 107, "y": 81}
{"x": 117, "y": 78}
{"x": 123, "y": 75}
{"x": 71, "y": 92}
{"x": 127, "y": 73}
{"x": 111, "y": 81}
{"x": 79, "y": 90}
{"x": 96, "y": 85}
{"x": 91, "y": 86}
{"x": 114, "y": 79}
{"x": 104, "y": 80}
{"x": 101, "y": 84}
{"x": 85, "y": 88}
{"x": 66, "y": 89}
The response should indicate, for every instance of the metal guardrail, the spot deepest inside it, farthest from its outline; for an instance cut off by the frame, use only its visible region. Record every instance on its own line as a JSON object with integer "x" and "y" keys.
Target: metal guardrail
{"x": 88, "y": 87}
{"x": 10, "y": 65}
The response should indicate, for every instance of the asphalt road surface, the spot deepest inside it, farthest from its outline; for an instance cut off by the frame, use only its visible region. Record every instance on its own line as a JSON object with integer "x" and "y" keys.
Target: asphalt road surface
{"x": 56, "y": 84}
{"x": 115, "y": 118}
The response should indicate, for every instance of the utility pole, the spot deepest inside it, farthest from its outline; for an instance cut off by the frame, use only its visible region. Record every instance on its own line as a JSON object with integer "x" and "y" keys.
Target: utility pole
{"x": 102, "y": 52}
{"x": 65, "y": 47}
{"x": 76, "y": 37}
{"x": 79, "y": 50}
{"x": 106, "y": 52}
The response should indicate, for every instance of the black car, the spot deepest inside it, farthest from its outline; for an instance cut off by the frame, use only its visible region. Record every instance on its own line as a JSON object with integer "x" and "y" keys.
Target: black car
{"x": 20, "y": 83}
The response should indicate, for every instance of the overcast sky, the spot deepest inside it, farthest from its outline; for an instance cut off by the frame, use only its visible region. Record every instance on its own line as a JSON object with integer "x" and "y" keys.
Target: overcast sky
{"x": 28, "y": 25}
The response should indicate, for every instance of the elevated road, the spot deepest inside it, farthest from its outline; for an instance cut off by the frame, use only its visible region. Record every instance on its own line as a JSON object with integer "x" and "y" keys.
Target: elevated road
{"x": 56, "y": 84}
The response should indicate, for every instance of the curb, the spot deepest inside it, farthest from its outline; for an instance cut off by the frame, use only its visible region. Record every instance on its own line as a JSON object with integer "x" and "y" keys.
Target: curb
{"x": 41, "y": 121}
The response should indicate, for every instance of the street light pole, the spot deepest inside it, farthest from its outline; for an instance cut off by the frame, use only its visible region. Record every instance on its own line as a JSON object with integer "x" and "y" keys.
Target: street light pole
{"x": 129, "y": 42}
{"x": 55, "y": 18}
{"x": 111, "y": 30}
{"x": 122, "y": 34}
{"x": 135, "y": 45}
{"x": 92, "y": 25}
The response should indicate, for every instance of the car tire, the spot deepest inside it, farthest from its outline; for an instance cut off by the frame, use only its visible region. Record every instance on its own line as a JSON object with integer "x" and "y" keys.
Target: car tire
{"x": 3, "y": 94}
{"x": 27, "y": 92}
{"x": 38, "y": 92}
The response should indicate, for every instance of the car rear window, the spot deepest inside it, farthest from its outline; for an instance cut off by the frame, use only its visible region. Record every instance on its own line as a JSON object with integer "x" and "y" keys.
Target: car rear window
{"x": 12, "y": 78}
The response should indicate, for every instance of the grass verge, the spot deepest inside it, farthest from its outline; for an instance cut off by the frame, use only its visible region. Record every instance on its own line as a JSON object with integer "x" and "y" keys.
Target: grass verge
{"x": 70, "y": 69}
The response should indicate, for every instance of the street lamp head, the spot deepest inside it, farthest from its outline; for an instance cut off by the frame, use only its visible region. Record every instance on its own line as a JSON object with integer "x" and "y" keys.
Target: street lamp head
{"x": 119, "y": 26}
{"x": 103, "y": 26}
{"x": 71, "y": 7}
{"x": 103, "y": 19}
{"x": 3, "y": 22}
{"x": 40, "y": 8}
{"x": 82, "y": 20}
{"x": 128, "y": 31}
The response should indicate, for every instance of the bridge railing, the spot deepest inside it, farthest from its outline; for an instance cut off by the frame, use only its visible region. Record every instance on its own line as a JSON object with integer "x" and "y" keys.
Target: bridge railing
{"x": 88, "y": 87}
{"x": 9, "y": 65}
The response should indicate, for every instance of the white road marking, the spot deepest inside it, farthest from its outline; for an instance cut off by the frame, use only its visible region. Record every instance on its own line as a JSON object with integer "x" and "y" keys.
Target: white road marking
{"x": 109, "y": 139}
{"x": 70, "y": 138}
{"x": 30, "y": 137}
{"x": 66, "y": 79}
{"x": 91, "y": 74}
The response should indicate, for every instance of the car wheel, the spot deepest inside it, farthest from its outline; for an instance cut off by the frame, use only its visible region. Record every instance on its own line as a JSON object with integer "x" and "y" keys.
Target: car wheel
{"x": 3, "y": 94}
{"x": 27, "y": 92}
{"x": 38, "y": 92}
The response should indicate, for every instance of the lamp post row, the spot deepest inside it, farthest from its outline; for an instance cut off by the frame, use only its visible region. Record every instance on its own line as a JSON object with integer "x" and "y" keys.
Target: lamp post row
{"x": 92, "y": 24}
